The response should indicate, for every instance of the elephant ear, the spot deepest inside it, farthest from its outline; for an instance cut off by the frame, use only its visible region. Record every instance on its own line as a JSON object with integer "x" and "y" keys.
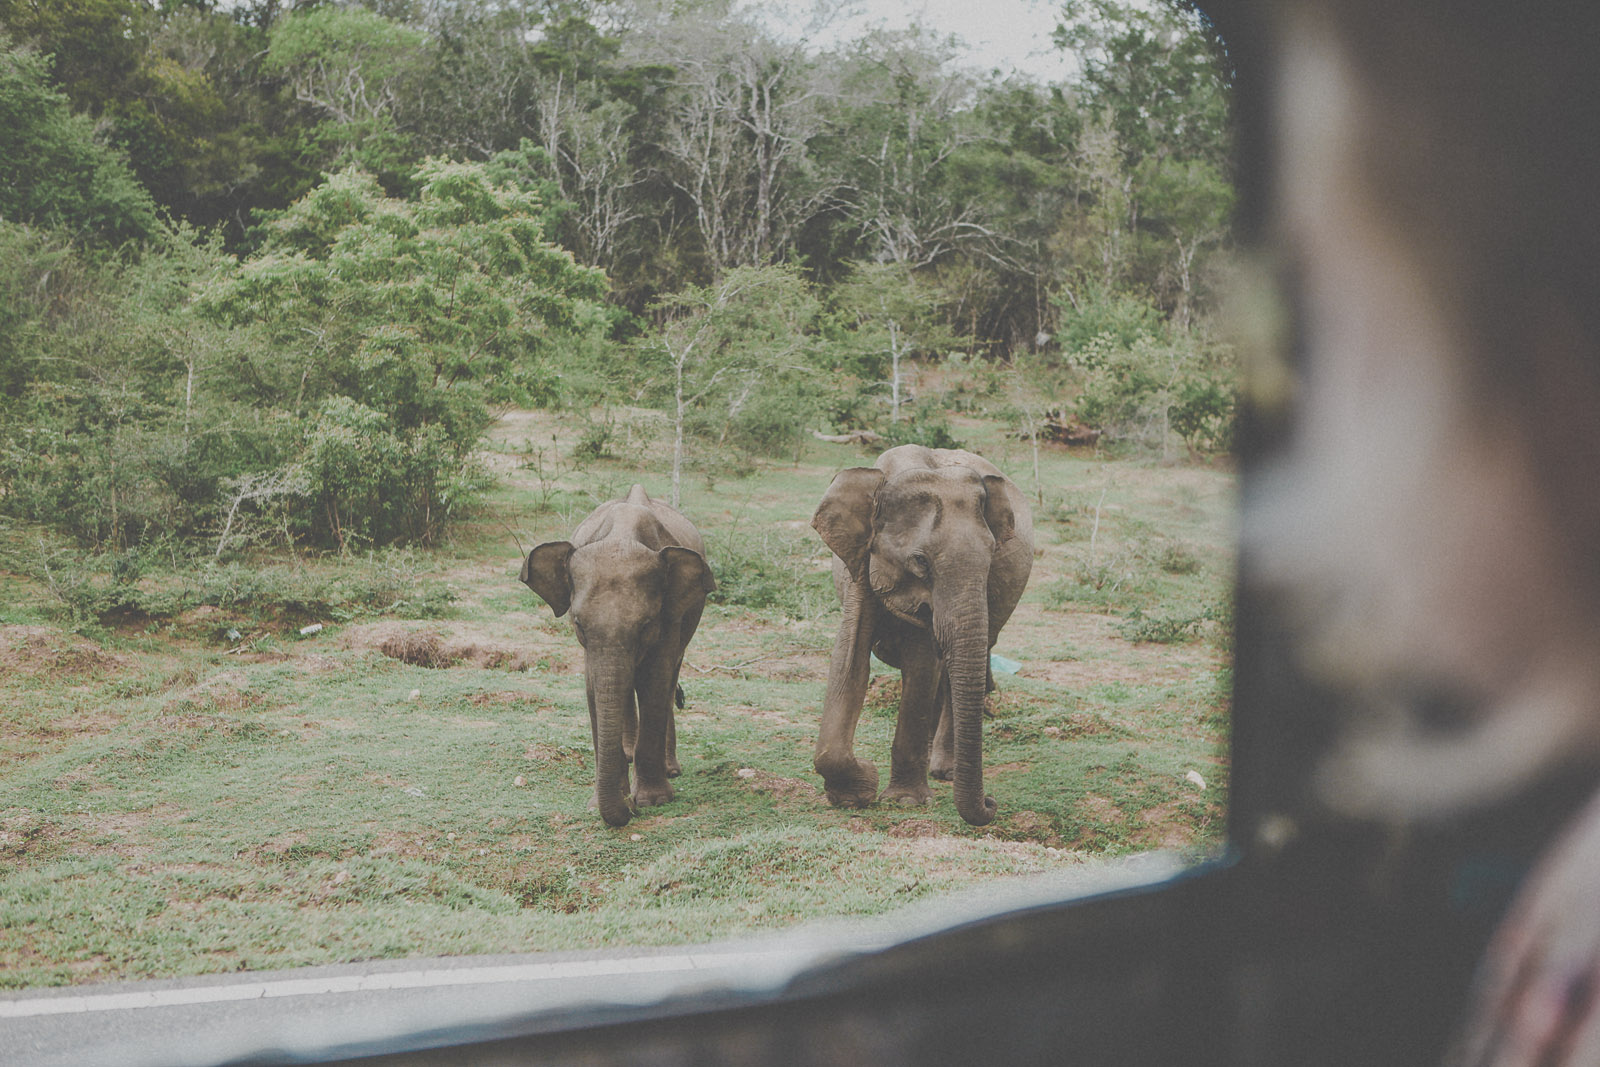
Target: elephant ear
{"x": 688, "y": 579}
{"x": 997, "y": 508}
{"x": 844, "y": 518}
{"x": 545, "y": 571}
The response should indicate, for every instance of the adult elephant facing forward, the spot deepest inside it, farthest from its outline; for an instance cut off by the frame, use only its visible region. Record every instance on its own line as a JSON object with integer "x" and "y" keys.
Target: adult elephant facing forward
{"x": 933, "y": 550}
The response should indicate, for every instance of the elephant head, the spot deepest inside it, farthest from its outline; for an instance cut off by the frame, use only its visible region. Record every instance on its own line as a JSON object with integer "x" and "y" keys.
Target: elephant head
{"x": 626, "y": 600}
{"x": 922, "y": 541}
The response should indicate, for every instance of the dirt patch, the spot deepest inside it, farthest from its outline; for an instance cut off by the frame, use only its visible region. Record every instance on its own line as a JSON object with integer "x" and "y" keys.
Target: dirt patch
{"x": 1167, "y": 825}
{"x": 1032, "y": 826}
{"x": 883, "y": 691}
{"x": 500, "y": 698}
{"x": 917, "y": 828}
{"x": 263, "y": 657}
{"x": 38, "y": 651}
{"x": 78, "y": 725}
{"x": 1084, "y": 724}
{"x": 35, "y": 838}
{"x": 417, "y": 649}
{"x": 555, "y": 754}
{"x": 221, "y": 692}
{"x": 777, "y": 786}
{"x": 86, "y": 777}
{"x": 438, "y": 648}
{"x": 28, "y": 835}
{"x": 1007, "y": 768}
{"x": 749, "y": 711}
{"x": 1099, "y": 819}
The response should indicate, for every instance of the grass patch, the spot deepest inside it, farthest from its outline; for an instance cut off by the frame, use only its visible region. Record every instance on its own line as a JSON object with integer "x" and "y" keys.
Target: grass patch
{"x": 413, "y": 779}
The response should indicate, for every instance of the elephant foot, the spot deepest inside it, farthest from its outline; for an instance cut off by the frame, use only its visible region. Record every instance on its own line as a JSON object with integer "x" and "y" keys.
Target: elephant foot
{"x": 673, "y": 769}
{"x": 943, "y": 774}
{"x": 913, "y": 795}
{"x": 649, "y": 796}
{"x": 858, "y": 790}
{"x": 626, "y": 809}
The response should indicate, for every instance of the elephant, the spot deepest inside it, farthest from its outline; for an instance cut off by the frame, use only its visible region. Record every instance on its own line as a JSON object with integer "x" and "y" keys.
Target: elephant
{"x": 932, "y": 550}
{"x": 635, "y": 577}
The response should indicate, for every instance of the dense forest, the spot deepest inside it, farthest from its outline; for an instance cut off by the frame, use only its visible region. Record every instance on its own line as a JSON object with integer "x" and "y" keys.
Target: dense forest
{"x": 268, "y": 269}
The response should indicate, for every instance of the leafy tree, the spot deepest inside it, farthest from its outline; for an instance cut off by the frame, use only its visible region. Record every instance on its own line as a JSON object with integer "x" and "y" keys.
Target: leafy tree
{"x": 351, "y": 67}
{"x": 396, "y": 322}
{"x": 733, "y": 355}
{"x": 1156, "y": 71}
{"x": 904, "y": 116}
{"x": 56, "y": 173}
{"x": 1156, "y": 386}
{"x": 1155, "y": 160}
{"x": 891, "y": 318}
{"x": 97, "y": 45}
{"x": 744, "y": 108}
{"x": 113, "y": 424}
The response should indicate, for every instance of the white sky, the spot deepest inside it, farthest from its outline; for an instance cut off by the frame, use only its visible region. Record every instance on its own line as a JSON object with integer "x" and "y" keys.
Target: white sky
{"x": 1008, "y": 34}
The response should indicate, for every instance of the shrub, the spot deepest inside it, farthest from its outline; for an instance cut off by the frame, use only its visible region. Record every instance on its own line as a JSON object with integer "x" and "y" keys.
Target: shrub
{"x": 769, "y": 570}
{"x": 922, "y": 428}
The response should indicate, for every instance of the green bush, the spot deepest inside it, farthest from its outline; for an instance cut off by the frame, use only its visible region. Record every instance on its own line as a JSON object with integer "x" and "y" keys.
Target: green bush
{"x": 1155, "y": 387}
{"x": 770, "y": 569}
{"x": 924, "y": 427}
{"x": 160, "y": 581}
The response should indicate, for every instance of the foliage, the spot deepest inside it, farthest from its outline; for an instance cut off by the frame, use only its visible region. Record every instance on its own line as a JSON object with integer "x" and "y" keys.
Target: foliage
{"x": 730, "y": 361}
{"x": 689, "y": 140}
{"x": 350, "y": 65}
{"x": 928, "y": 428}
{"x": 767, "y": 570}
{"x": 1142, "y": 382}
{"x": 115, "y": 423}
{"x": 165, "y": 582}
{"x": 57, "y": 172}
{"x": 887, "y": 317}
{"x": 1167, "y": 629}
{"x": 391, "y": 325}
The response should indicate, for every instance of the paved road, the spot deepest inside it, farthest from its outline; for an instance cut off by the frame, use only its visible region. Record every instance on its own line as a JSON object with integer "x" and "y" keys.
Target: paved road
{"x": 211, "y": 1020}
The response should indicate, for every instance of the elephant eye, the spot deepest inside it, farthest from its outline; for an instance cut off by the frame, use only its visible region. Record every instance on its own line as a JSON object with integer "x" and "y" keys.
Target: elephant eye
{"x": 918, "y": 564}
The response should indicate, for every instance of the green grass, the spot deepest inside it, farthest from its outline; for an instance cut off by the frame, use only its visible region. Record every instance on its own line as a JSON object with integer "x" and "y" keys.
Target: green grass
{"x": 175, "y": 801}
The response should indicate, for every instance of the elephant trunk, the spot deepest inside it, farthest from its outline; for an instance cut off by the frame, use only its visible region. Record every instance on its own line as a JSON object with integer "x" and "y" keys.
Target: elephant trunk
{"x": 610, "y": 686}
{"x": 962, "y": 633}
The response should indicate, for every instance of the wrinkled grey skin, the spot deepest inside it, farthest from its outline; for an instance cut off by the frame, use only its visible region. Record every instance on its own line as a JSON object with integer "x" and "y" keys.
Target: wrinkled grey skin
{"x": 635, "y": 578}
{"x": 933, "y": 551}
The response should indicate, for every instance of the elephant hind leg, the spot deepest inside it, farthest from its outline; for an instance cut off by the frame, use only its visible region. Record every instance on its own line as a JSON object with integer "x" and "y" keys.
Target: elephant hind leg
{"x": 943, "y": 762}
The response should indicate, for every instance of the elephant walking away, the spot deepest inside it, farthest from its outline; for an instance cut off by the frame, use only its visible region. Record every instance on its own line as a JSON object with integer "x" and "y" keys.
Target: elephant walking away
{"x": 933, "y": 547}
{"x": 635, "y": 578}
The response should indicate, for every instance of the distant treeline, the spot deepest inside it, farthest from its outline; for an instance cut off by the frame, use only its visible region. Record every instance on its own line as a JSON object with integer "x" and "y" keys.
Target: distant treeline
{"x": 265, "y": 269}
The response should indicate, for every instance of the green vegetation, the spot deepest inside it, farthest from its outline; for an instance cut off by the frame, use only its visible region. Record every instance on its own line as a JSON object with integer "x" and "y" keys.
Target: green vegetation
{"x": 267, "y": 272}
{"x": 312, "y": 319}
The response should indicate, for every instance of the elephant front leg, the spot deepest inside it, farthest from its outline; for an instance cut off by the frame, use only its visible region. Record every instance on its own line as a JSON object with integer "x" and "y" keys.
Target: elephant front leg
{"x": 849, "y": 782}
{"x": 922, "y": 691}
{"x": 656, "y": 684}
